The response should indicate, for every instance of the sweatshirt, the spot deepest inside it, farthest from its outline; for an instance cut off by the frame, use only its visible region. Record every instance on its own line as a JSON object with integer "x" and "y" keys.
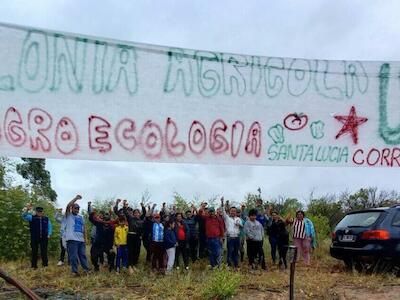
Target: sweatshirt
{"x": 253, "y": 230}
{"x": 170, "y": 238}
{"x": 121, "y": 235}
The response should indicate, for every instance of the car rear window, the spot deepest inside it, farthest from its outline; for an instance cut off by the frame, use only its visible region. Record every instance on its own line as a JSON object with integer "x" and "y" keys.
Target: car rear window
{"x": 396, "y": 219}
{"x": 362, "y": 219}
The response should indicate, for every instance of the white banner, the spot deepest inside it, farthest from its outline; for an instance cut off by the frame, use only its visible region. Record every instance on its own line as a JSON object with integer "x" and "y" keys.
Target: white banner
{"x": 78, "y": 97}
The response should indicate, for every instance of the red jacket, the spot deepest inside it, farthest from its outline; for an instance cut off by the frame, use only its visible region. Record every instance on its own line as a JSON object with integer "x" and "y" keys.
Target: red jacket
{"x": 214, "y": 227}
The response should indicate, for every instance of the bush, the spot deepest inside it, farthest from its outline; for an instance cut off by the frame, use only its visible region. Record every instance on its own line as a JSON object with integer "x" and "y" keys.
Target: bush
{"x": 322, "y": 227}
{"x": 222, "y": 284}
{"x": 14, "y": 231}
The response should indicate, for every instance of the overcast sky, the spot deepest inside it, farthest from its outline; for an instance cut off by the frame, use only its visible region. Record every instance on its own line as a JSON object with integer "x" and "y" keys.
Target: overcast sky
{"x": 361, "y": 30}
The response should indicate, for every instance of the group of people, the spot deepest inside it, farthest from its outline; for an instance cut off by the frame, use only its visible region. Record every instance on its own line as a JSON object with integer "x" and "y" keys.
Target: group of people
{"x": 171, "y": 238}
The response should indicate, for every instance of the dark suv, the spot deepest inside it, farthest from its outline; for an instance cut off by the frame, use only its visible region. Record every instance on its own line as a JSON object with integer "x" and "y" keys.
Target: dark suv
{"x": 369, "y": 239}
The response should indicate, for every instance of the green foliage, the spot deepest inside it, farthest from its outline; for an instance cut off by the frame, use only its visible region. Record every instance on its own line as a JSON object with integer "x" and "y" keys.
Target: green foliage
{"x": 222, "y": 284}
{"x": 33, "y": 170}
{"x": 368, "y": 198}
{"x": 14, "y": 231}
{"x": 250, "y": 200}
{"x": 104, "y": 205}
{"x": 321, "y": 225}
{"x": 181, "y": 203}
{"x": 2, "y": 174}
{"x": 326, "y": 207}
{"x": 6, "y": 167}
{"x": 291, "y": 206}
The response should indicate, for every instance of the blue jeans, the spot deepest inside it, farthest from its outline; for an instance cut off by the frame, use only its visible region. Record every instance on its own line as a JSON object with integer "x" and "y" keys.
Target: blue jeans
{"x": 122, "y": 255}
{"x": 274, "y": 242}
{"x": 77, "y": 250}
{"x": 233, "y": 251}
{"x": 214, "y": 250}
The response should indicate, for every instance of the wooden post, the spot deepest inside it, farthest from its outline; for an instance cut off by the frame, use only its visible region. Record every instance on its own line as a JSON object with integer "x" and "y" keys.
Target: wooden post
{"x": 293, "y": 258}
{"x": 25, "y": 290}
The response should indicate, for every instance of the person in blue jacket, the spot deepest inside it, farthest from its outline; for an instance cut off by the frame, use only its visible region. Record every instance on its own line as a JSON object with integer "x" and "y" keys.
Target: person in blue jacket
{"x": 170, "y": 243}
{"x": 41, "y": 229}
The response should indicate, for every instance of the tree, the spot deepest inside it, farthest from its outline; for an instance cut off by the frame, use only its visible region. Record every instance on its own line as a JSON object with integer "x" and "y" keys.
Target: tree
{"x": 146, "y": 196}
{"x": 328, "y": 207}
{"x": 34, "y": 170}
{"x": 291, "y": 206}
{"x": 14, "y": 232}
{"x": 368, "y": 198}
{"x": 180, "y": 203}
{"x": 250, "y": 200}
{"x": 7, "y": 167}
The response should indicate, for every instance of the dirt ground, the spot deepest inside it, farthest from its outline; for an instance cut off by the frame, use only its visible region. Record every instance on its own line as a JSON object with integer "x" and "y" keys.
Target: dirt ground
{"x": 338, "y": 293}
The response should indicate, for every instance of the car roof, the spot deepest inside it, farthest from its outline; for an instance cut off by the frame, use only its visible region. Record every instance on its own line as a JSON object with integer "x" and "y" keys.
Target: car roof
{"x": 369, "y": 209}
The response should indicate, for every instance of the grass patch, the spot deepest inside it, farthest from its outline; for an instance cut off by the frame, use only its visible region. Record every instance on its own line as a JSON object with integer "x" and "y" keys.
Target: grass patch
{"x": 319, "y": 281}
{"x": 221, "y": 284}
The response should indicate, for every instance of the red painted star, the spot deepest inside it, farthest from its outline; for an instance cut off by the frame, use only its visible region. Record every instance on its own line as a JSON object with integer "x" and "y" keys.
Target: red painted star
{"x": 351, "y": 123}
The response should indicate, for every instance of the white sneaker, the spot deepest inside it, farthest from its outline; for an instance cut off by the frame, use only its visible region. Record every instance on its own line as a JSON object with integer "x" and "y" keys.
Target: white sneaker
{"x": 186, "y": 268}
{"x": 60, "y": 263}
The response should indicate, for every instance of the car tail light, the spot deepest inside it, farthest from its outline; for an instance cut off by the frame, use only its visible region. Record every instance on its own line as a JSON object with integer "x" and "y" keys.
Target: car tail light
{"x": 333, "y": 235}
{"x": 376, "y": 235}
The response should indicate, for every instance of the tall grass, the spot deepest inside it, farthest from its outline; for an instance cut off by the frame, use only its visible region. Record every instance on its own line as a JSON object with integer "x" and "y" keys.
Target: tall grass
{"x": 314, "y": 282}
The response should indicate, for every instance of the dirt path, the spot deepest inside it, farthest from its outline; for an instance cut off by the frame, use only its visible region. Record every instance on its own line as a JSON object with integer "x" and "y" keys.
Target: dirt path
{"x": 339, "y": 293}
{"x": 382, "y": 293}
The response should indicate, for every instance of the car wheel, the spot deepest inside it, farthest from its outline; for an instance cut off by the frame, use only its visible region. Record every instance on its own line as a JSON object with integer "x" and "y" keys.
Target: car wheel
{"x": 348, "y": 262}
{"x": 360, "y": 266}
{"x": 381, "y": 265}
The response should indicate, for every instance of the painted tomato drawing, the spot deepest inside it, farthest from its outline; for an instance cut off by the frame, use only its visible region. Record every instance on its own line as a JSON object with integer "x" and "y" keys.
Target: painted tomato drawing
{"x": 295, "y": 121}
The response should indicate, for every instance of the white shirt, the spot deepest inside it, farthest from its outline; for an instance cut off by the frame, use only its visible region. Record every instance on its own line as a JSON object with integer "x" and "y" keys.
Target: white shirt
{"x": 232, "y": 225}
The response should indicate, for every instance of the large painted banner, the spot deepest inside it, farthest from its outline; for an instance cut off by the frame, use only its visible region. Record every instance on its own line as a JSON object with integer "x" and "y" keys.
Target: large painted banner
{"x": 77, "y": 97}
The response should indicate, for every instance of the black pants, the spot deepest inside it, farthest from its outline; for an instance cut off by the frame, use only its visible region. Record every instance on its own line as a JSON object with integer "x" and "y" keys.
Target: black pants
{"x": 255, "y": 251}
{"x": 194, "y": 246}
{"x": 110, "y": 258}
{"x": 147, "y": 246}
{"x": 97, "y": 255}
{"x": 62, "y": 253}
{"x": 158, "y": 255}
{"x": 95, "y": 252}
{"x": 283, "y": 245}
{"x": 181, "y": 250}
{"x": 203, "y": 252}
{"x": 134, "y": 244}
{"x": 35, "y": 243}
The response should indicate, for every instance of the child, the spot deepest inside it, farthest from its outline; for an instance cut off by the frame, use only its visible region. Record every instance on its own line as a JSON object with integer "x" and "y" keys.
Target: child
{"x": 254, "y": 232}
{"x": 170, "y": 242}
{"x": 120, "y": 241}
